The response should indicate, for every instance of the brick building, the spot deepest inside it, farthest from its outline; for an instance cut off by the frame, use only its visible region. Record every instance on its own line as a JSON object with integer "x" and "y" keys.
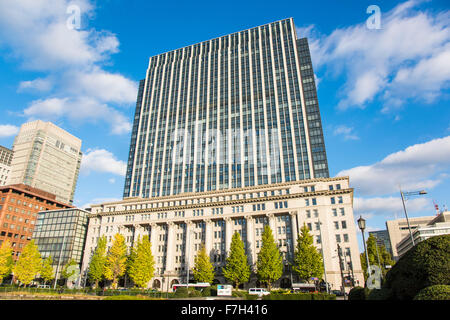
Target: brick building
{"x": 19, "y": 205}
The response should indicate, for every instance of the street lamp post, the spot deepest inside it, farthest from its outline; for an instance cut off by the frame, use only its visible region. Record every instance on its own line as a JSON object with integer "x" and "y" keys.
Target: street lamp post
{"x": 405, "y": 196}
{"x": 59, "y": 262}
{"x": 362, "y": 226}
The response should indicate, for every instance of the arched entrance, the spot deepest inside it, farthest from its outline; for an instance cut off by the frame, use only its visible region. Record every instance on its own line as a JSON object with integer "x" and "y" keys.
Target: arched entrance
{"x": 156, "y": 284}
{"x": 174, "y": 281}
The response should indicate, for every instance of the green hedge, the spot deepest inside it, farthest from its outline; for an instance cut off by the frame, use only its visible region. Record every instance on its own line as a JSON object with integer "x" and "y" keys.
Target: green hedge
{"x": 127, "y": 297}
{"x": 300, "y": 296}
{"x": 358, "y": 293}
{"x": 422, "y": 266}
{"x": 437, "y": 292}
{"x": 380, "y": 294}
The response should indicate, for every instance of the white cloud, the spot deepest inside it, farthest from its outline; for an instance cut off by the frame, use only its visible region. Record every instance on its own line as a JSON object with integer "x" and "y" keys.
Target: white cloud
{"x": 7, "y": 130}
{"x": 39, "y": 84}
{"x": 77, "y": 88}
{"x": 346, "y": 132}
{"x": 82, "y": 109}
{"x": 389, "y": 207}
{"x": 406, "y": 59}
{"x": 101, "y": 160}
{"x": 104, "y": 86}
{"x": 96, "y": 201}
{"x": 421, "y": 166}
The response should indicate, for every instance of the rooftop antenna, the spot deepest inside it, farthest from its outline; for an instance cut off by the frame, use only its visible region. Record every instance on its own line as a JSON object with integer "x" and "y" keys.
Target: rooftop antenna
{"x": 436, "y": 207}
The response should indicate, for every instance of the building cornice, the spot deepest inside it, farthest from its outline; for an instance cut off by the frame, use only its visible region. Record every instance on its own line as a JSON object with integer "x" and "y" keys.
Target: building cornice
{"x": 228, "y": 202}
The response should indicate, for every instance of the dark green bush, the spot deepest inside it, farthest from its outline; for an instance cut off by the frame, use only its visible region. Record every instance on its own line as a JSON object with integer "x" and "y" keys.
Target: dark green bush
{"x": 437, "y": 292}
{"x": 206, "y": 292}
{"x": 193, "y": 293}
{"x": 251, "y": 296}
{"x": 358, "y": 293}
{"x": 380, "y": 294}
{"x": 426, "y": 264}
{"x": 213, "y": 290}
{"x": 238, "y": 293}
{"x": 300, "y": 296}
{"x": 181, "y": 292}
{"x": 127, "y": 297}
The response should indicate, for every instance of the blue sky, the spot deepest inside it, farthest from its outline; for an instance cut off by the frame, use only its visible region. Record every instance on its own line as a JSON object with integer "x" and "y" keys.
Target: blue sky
{"x": 383, "y": 93}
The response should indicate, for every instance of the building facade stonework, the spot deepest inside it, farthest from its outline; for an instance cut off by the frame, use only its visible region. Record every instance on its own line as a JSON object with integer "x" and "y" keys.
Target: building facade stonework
{"x": 178, "y": 225}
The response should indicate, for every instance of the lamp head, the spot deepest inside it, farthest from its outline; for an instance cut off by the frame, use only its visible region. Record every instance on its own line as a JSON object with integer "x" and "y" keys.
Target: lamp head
{"x": 361, "y": 223}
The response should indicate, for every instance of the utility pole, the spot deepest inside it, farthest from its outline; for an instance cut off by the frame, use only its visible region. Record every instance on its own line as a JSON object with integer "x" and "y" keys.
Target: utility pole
{"x": 59, "y": 262}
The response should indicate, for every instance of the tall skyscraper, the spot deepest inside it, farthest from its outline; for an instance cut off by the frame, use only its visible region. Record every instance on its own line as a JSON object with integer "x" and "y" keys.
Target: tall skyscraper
{"x": 227, "y": 138}
{"x": 236, "y": 111}
{"x": 48, "y": 158}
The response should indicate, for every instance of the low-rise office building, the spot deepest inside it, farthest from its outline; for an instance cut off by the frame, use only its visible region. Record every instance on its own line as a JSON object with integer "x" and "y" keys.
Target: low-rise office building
{"x": 398, "y": 229}
{"x": 437, "y": 226}
{"x": 19, "y": 205}
{"x": 179, "y": 224}
{"x": 61, "y": 234}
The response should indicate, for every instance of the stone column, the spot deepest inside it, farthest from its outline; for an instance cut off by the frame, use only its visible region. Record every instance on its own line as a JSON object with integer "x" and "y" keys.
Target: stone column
{"x": 271, "y": 218}
{"x": 228, "y": 234}
{"x": 188, "y": 244}
{"x": 208, "y": 236}
{"x": 170, "y": 246}
{"x": 137, "y": 233}
{"x": 294, "y": 233}
{"x": 153, "y": 238}
{"x": 251, "y": 239}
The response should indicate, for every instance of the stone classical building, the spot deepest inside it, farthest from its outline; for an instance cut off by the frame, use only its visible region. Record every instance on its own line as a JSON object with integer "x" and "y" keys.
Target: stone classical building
{"x": 227, "y": 137}
{"x": 177, "y": 225}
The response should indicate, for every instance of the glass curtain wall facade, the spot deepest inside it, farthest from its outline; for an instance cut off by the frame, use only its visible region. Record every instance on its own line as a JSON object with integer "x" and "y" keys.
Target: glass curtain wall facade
{"x": 61, "y": 234}
{"x": 236, "y": 111}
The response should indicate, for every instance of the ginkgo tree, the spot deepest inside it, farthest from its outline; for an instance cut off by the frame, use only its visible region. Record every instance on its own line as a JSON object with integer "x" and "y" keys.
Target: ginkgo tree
{"x": 116, "y": 260}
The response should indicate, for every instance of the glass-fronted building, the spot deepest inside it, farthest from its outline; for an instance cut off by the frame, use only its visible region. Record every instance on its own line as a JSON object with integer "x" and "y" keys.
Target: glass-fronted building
{"x": 61, "y": 234}
{"x": 237, "y": 111}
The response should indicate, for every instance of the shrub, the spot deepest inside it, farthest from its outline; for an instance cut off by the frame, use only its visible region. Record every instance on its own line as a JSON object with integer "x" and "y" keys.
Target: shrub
{"x": 251, "y": 296}
{"x": 213, "y": 290}
{"x": 437, "y": 292}
{"x": 380, "y": 294}
{"x": 358, "y": 293}
{"x": 181, "y": 293}
{"x": 206, "y": 292}
{"x": 127, "y": 297}
{"x": 194, "y": 293}
{"x": 422, "y": 266}
{"x": 238, "y": 293}
{"x": 300, "y": 296}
